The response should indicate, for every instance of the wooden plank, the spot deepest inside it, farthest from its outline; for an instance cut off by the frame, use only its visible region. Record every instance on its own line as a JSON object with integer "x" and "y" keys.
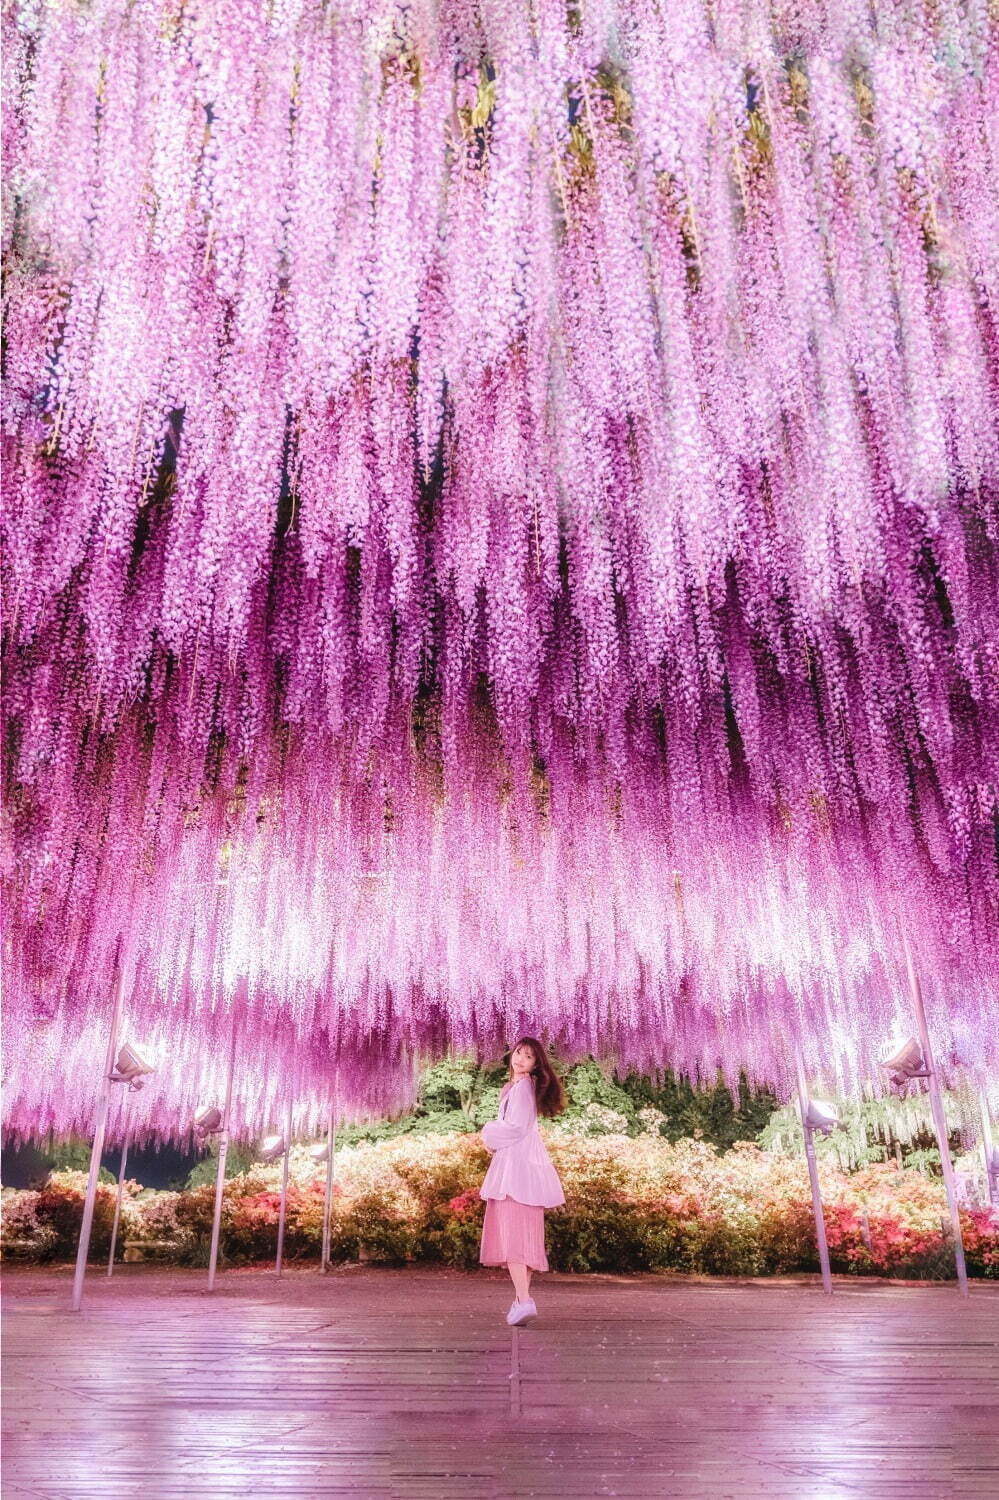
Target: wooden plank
{"x": 407, "y": 1383}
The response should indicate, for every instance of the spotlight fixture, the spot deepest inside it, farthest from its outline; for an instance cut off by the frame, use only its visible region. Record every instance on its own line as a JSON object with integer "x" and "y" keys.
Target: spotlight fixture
{"x": 906, "y": 1063}
{"x": 821, "y": 1117}
{"x": 319, "y": 1152}
{"x": 207, "y": 1121}
{"x": 130, "y": 1067}
{"x": 271, "y": 1147}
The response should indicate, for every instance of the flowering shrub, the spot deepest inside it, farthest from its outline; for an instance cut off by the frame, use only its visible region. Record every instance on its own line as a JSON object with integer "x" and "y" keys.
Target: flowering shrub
{"x": 24, "y": 1233}
{"x": 153, "y": 1220}
{"x": 467, "y": 1205}
{"x": 981, "y": 1241}
{"x": 632, "y": 1204}
{"x": 595, "y": 1119}
{"x": 58, "y": 1208}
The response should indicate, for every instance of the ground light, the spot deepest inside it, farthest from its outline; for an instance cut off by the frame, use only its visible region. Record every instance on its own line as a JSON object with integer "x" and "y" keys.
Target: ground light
{"x": 132, "y": 1067}
{"x": 905, "y": 1064}
{"x": 815, "y": 1116}
{"x": 821, "y": 1117}
{"x": 207, "y": 1121}
{"x": 271, "y": 1147}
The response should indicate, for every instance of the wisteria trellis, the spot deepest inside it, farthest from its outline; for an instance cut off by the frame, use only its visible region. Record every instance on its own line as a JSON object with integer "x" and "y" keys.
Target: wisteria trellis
{"x": 500, "y": 529}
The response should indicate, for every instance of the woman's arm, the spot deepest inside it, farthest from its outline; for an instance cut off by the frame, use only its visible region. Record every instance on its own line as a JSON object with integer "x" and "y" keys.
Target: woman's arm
{"x": 520, "y": 1113}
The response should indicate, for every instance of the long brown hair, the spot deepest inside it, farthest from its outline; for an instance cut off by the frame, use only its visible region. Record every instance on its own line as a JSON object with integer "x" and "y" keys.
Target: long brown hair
{"x": 549, "y": 1095}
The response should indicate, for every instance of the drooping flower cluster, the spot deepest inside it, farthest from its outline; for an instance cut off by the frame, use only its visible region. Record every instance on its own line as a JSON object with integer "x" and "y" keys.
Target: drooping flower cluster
{"x": 500, "y": 525}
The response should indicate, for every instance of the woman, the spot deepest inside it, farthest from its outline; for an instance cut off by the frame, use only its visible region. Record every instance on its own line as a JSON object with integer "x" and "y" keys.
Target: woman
{"x": 521, "y": 1182}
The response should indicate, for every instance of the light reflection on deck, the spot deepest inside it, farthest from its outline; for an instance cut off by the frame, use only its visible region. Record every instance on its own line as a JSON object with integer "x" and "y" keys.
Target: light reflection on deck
{"x": 407, "y": 1383}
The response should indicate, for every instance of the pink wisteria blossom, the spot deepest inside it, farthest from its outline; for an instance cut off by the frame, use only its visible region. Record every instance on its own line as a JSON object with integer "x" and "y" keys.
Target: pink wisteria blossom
{"x": 500, "y": 532}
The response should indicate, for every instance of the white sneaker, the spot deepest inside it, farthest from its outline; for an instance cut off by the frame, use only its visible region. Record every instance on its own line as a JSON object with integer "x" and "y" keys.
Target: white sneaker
{"x": 521, "y": 1311}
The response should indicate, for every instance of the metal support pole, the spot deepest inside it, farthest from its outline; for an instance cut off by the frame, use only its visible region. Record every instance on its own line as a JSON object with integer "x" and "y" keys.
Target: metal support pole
{"x": 213, "y": 1256}
{"x": 988, "y": 1146}
{"x": 97, "y": 1149}
{"x": 284, "y": 1192}
{"x": 939, "y": 1119}
{"x": 117, "y": 1201}
{"x": 813, "y": 1175}
{"x": 324, "y": 1263}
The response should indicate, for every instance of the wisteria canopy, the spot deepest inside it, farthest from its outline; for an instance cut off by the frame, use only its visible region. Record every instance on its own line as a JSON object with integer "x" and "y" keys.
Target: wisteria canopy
{"x": 500, "y": 534}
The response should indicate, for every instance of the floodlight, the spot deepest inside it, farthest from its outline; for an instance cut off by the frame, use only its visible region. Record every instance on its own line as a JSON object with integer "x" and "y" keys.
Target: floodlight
{"x": 821, "y": 1117}
{"x": 906, "y": 1063}
{"x": 319, "y": 1152}
{"x": 207, "y": 1120}
{"x": 130, "y": 1067}
{"x": 271, "y": 1147}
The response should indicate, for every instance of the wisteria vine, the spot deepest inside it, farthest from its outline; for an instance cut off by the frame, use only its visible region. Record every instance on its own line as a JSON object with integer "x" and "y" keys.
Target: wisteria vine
{"x": 521, "y": 479}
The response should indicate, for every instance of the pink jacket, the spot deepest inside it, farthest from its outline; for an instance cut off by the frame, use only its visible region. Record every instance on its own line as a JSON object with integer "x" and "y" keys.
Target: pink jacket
{"x": 521, "y": 1167}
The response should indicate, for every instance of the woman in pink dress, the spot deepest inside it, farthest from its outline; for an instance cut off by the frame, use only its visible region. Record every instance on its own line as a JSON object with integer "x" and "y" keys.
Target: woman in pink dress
{"x": 521, "y": 1182}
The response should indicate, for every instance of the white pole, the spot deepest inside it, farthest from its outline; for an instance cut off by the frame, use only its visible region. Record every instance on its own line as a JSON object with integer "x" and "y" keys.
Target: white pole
{"x": 988, "y": 1147}
{"x": 284, "y": 1191}
{"x": 97, "y": 1149}
{"x": 213, "y": 1257}
{"x": 813, "y": 1175}
{"x": 324, "y": 1263}
{"x": 939, "y": 1119}
{"x": 117, "y": 1201}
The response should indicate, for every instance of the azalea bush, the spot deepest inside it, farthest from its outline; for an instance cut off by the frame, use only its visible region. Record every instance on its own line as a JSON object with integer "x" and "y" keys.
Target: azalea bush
{"x": 25, "y": 1233}
{"x": 633, "y": 1203}
{"x": 45, "y": 1225}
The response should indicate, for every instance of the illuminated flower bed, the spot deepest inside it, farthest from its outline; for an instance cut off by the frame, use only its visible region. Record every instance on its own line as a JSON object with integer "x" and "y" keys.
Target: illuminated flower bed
{"x": 632, "y": 1205}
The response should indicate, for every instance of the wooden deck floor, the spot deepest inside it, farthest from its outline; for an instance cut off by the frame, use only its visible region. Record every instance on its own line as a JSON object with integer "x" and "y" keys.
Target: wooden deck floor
{"x": 398, "y": 1384}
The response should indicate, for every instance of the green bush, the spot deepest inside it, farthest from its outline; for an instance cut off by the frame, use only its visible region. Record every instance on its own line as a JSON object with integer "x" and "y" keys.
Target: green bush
{"x": 239, "y": 1159}
{"x": 703, "y": 1111}
{"x": 587, "y": 1083}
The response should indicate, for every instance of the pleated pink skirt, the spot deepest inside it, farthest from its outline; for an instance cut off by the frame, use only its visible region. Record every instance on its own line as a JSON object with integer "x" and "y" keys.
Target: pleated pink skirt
{"x": 513, "y": 1233}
